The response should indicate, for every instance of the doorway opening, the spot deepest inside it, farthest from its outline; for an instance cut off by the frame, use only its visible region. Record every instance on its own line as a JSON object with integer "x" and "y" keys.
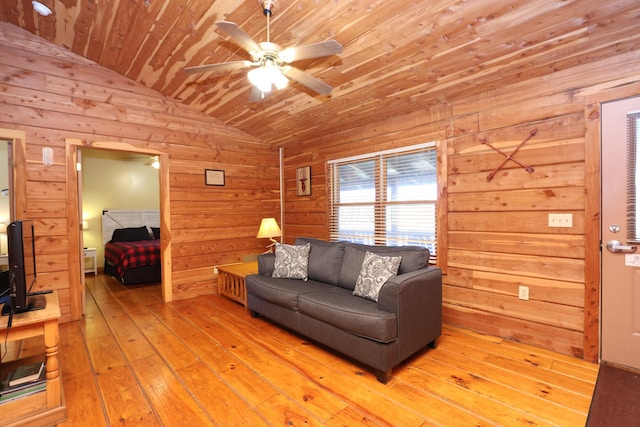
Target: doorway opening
{"x": 116, "y": 181}
{"x": 74, "y": 149}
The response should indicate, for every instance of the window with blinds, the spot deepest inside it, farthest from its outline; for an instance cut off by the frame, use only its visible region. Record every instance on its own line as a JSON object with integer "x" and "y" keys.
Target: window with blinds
{"x": 385, "y": 198}
{"x": 633, "y": 175}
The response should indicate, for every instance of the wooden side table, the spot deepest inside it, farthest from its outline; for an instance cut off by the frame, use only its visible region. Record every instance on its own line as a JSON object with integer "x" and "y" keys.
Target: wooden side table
{"x": 231, "y": 280}
{"x": 42, "y": 408}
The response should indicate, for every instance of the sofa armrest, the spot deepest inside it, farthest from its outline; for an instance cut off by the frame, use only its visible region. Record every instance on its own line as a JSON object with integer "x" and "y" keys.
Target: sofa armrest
{"x": 416, "y": 300}
{"x": 266, "y": 264}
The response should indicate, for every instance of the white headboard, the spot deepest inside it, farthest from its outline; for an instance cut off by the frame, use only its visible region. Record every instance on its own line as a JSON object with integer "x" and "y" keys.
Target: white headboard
{"x": 112, "y": 219}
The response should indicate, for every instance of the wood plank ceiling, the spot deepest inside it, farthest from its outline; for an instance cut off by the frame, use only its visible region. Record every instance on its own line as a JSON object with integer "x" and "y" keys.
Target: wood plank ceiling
{"x": 399, "y": 56}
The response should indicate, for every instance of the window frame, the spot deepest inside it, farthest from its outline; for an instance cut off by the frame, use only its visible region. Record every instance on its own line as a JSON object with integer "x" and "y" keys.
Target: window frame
{"x": 380, "y": 203}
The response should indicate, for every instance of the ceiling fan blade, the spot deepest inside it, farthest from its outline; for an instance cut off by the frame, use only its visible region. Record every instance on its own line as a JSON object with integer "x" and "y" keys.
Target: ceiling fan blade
{"x": 307, "y": 80}
{"x": 220, "y": 67}
{"x": 238, "y": 35}
{"x": 326, "y": 48}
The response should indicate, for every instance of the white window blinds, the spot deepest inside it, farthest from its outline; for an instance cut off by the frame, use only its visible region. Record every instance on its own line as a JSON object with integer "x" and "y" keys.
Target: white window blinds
{"x": 385, "y": 198}
{"x": 633, "y": 176}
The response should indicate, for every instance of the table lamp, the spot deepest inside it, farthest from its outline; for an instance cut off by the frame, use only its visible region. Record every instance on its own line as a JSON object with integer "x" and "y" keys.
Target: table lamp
{"x": 268, "y": 230}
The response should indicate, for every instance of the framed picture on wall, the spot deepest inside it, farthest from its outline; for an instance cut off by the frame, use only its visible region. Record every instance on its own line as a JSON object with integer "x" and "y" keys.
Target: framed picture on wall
{"x": 303, "y": 181}
{"x": 213, "y": 177}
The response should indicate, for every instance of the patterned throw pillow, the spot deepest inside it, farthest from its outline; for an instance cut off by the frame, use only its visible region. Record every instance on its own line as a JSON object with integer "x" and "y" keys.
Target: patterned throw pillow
{"x": 375, "y": 271}
{"x": 292, "y": 261}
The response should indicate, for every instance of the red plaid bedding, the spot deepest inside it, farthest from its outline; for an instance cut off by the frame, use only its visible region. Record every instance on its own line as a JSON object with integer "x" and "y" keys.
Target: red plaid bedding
{"x": 128, "y": 255}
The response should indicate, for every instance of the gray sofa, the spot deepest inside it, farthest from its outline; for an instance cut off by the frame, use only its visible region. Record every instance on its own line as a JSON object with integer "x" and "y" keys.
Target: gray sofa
{"x": 406, "y": 318}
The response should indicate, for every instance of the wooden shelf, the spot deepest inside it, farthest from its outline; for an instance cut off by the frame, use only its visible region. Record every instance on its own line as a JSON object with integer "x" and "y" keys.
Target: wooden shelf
{"x": 47, "y": 407}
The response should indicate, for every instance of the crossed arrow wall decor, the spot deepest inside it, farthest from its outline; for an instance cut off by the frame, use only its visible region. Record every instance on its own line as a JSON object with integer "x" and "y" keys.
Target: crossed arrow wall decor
{"x": 508, "y": 157}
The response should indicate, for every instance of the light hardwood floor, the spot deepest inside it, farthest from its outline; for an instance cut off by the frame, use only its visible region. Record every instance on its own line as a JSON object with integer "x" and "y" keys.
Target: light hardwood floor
{"x": 136, "y": 361}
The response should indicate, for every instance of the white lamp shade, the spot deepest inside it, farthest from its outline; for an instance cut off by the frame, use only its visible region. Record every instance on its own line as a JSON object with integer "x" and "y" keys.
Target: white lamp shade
{"x": 3, "y": 227}
{"x": 259, "y": 77}
{"x": 268, "y": 229}
{"x": 278, "y": 78}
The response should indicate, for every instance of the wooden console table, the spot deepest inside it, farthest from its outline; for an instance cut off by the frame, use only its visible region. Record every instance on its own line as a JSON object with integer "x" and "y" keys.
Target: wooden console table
{"x": 231, "y": 280}
{"x": 47, "y": 407}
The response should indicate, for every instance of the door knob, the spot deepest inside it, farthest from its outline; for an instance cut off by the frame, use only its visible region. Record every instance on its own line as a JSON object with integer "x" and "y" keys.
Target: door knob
{"x": 617, "y": 247}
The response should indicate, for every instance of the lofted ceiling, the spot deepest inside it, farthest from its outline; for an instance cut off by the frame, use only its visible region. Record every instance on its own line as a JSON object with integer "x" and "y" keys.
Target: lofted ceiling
{"x": 399, "y": 56}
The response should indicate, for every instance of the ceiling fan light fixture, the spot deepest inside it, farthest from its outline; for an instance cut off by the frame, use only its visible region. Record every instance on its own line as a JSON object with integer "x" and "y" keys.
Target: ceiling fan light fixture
{"x": 266, "y": 76}
{"x": 259, "y": 77}
{"x": 41, "y": 8}
{"x": 278, "y": 79}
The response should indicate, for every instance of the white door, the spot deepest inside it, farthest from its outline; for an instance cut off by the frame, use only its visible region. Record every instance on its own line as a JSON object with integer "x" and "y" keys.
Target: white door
{"x": 620, "y": 233}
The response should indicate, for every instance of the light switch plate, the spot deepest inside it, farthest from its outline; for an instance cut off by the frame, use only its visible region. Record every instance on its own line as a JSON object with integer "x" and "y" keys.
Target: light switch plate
{"x": 561, "y": 220}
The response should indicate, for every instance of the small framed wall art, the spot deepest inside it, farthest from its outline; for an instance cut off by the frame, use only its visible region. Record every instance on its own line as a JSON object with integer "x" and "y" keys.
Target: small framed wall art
{"x": 213, "y": 177}
{"x": 303, "y": 181}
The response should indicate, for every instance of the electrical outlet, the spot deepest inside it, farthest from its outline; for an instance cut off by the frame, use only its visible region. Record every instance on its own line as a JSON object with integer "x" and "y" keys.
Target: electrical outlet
{"x": 215, "y": 270}
{"x": 561, "y": 220}
{"x": 523, "y": 292}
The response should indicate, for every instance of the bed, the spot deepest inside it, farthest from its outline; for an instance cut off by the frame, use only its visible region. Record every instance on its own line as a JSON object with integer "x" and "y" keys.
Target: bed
{"x": 132, "y": 255}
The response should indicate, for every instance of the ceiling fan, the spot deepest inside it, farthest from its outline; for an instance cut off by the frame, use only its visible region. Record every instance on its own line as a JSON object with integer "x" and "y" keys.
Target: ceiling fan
{"x": 269, "y": 61}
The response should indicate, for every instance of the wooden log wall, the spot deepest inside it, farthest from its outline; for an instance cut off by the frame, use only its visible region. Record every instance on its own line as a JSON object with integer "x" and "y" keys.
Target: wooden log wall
{"x": 52, "y": 96}
{"x": 494, "y": 235}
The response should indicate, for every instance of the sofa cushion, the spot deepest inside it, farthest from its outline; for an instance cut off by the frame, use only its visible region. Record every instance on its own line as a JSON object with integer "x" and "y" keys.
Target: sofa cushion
{"x": 358, "y": 316}
{"x": 282, "y": 292}
{"x": 376, "y": 269}
{"x": 413, "y": 258}
{"x": 266, "y": 264}
{"x": 325, "y": 259}
{"x": 292, "y": 261}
